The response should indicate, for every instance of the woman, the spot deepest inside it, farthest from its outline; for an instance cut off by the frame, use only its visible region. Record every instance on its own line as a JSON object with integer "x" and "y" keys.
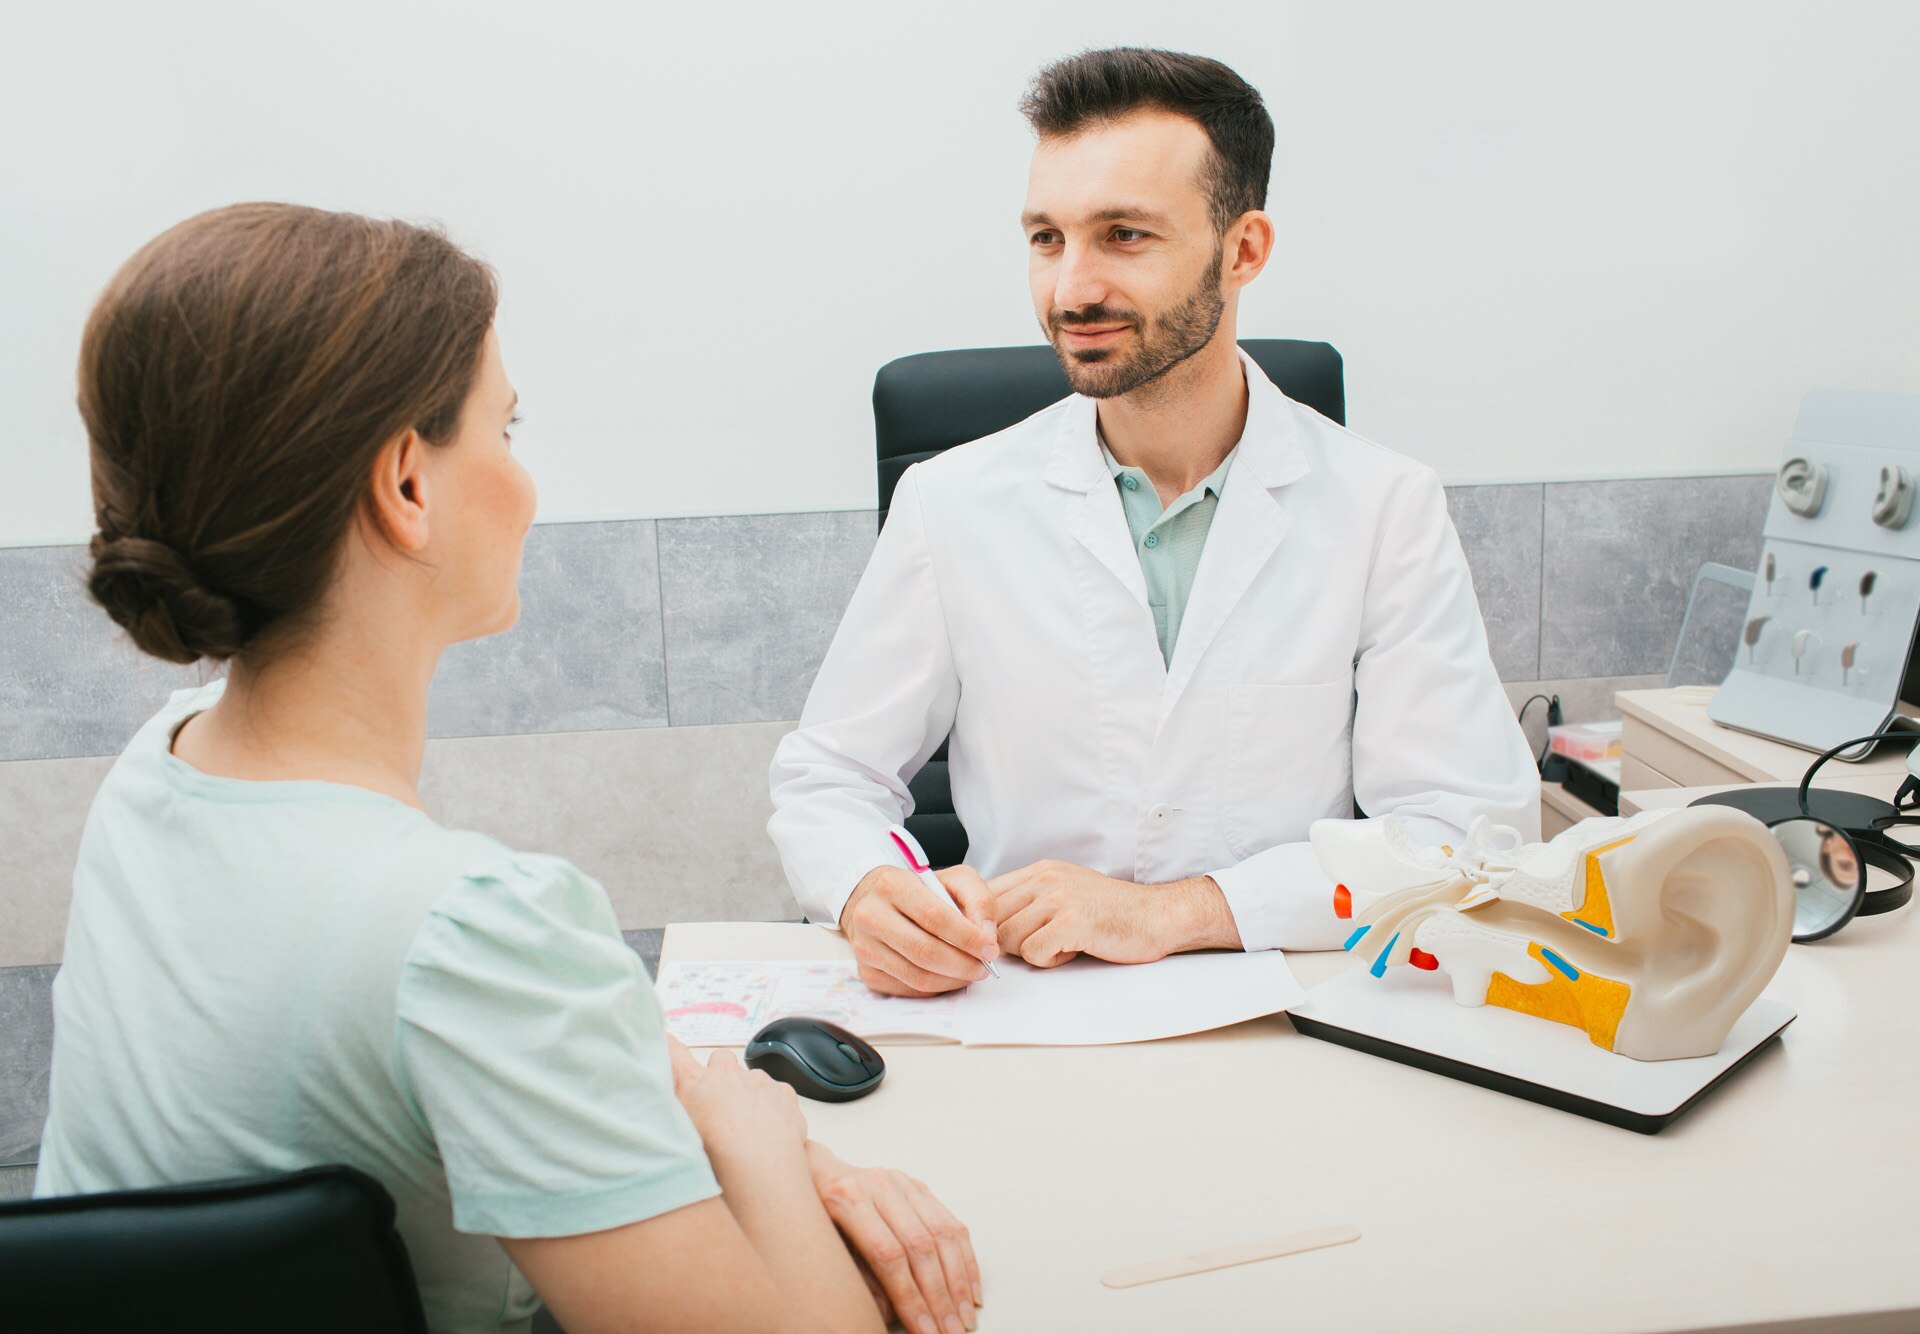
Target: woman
{"x": 300, "y": 436}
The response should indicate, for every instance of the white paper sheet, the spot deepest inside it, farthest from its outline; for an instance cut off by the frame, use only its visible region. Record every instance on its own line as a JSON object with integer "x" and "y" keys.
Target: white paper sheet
{"x": 1089, "y": 1003}
{"x": 1083, "y": 1003}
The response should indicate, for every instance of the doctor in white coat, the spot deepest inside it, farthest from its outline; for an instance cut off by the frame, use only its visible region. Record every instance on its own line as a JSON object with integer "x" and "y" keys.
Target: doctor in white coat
{"x": 1166, "y": 624}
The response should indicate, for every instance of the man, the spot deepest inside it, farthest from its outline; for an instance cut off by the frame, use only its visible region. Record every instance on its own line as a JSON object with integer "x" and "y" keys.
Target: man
{"x": 1169, "y": 622}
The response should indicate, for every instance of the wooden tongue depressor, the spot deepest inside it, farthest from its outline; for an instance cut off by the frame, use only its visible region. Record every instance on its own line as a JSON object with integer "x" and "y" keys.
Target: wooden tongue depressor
{"x": 1246, "y": 1252}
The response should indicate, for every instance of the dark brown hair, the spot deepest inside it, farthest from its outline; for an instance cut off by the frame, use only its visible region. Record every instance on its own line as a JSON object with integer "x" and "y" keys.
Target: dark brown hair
{"x": 238, "y": 378}
{"x": 1095, "y": 86}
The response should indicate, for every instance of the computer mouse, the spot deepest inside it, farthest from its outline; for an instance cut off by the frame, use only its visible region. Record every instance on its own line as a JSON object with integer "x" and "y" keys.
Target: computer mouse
{"x": 820, "y": 1060}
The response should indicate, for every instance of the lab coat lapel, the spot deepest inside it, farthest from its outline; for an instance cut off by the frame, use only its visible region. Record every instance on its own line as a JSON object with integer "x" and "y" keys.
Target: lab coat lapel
{"x": 1248, "y": 527}
{"x": 1094, "y": 516}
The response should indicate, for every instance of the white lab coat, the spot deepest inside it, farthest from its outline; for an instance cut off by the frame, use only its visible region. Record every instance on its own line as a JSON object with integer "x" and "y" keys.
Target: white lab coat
{"x": 1331, "y": 650}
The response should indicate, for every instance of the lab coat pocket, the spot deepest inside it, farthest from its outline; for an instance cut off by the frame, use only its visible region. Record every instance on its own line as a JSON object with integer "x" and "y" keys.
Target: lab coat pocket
{"x": 1289, "y": 761}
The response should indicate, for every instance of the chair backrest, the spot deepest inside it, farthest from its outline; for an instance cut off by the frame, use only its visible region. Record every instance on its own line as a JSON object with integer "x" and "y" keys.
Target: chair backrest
{"x": 925, "y": 404}
{"x": 308, "y": 1252}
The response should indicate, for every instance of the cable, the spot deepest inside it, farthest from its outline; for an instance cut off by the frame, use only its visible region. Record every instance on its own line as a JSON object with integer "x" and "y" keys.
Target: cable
{"x": 1540, "y": 761}
{"x": 1806, "y": 779}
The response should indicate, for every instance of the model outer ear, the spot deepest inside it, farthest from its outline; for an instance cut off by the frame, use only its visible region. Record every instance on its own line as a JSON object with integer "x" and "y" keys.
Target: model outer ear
{"x": 1703, "y": 907}
{"x": 1683, "y": 923}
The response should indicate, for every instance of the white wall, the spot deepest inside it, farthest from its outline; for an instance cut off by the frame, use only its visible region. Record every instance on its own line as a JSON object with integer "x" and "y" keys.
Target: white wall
{"x": 1551, "y": 239}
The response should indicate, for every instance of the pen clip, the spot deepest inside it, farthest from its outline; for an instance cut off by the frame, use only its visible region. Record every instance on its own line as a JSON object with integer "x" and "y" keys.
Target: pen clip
{"x": 916, "y": 859}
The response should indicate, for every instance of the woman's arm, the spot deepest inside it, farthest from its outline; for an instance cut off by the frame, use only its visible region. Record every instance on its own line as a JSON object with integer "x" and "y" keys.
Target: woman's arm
{"x": 765, "y": 1257}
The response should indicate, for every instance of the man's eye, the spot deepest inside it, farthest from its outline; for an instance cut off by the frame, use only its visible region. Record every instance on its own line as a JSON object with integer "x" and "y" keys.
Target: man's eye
{"x": 1128, "y": 234}
{"x": 1044, "y": 238}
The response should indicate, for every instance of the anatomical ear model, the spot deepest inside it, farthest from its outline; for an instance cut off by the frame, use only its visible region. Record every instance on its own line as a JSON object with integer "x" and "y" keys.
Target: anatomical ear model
{"x": 1651, "y": 934}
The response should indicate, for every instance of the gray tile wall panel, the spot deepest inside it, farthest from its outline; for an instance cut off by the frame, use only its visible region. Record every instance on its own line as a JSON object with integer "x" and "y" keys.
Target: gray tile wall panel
{"x": 1620, "y": 557}
{"x": 751, "y": 604}
{"x": 586, "y": 652}
{"x": 43, "y": 808}
{"x": 16, "y": 1183}
{"x": 71, "y": 683}
{"x": 26, "y": 1056}
{"x": 672, "y": 821}
{"x": 1499, "y": 529}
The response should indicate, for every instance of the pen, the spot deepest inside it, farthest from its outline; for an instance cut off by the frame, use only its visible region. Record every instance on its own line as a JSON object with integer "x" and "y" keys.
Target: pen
{"x": 917, "y": 863}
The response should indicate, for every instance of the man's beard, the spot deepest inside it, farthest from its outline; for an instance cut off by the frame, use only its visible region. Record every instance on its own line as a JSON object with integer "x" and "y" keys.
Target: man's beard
{"x": 1164, "y": 343}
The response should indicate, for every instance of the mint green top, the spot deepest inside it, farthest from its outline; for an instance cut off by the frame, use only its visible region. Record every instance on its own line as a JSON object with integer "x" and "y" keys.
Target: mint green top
{"x": 265, "y": 976}
{"x": 1168, "y": 541}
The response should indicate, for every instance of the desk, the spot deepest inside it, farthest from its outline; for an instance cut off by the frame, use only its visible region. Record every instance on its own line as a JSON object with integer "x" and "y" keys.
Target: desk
{"x": 1478, "y": 1212}
{"x": 1667, "y": 740}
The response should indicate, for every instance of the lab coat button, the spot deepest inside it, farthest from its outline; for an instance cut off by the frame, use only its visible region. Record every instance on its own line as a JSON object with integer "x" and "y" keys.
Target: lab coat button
{"x": 1159, "y": 815}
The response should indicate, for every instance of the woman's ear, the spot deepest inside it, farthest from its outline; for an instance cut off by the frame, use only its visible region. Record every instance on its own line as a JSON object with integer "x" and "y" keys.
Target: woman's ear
{"x": 398, "y": 494}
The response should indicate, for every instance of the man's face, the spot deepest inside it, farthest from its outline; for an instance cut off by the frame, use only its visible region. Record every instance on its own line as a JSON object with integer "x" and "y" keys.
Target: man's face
{"x": 1123, "y": 258}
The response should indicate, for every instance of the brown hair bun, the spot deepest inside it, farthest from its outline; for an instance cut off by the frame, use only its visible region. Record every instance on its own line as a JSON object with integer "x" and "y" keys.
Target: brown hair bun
{"x": 150, "y": 590}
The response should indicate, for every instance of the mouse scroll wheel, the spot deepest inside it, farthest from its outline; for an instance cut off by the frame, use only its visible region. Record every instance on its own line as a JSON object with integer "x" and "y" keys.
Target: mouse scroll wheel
{"x": 852, "y": 1055}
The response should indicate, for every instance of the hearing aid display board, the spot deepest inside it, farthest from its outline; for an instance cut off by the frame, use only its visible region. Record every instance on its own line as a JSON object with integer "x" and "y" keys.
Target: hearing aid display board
{"x": 1830, "y": 624}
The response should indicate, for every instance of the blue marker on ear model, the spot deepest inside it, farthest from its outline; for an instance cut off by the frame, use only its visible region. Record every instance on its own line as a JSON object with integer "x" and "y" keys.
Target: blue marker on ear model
{"x": 916, "y": 859}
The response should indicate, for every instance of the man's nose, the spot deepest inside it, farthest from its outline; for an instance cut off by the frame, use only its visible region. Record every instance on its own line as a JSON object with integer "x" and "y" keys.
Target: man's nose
{"x": 1080, "y": 280}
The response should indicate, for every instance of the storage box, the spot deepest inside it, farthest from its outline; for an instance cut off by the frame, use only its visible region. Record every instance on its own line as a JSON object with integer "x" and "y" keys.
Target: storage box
{"x": 1586, "y": 741}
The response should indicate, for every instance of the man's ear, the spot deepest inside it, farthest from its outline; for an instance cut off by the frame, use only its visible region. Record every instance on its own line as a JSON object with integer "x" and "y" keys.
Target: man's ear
{"x": 397, "y": 496}
{"x": 1248, "y": 245}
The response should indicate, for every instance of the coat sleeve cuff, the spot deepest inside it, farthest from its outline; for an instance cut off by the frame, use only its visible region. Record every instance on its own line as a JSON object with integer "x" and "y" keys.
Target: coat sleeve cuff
{"x": 1280, "y": 899}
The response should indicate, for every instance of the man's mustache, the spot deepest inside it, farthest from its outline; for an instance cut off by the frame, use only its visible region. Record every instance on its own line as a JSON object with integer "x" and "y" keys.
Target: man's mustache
{"x": 1067, "y": 319}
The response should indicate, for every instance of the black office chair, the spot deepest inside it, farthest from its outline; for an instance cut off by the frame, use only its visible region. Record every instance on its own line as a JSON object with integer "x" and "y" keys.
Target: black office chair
{"x": 308, "y": 1252}
{"x": 933, "y": 401}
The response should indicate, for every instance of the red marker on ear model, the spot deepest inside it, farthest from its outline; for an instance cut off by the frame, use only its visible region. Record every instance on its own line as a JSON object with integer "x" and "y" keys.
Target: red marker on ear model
{"x": 916, "y": 859}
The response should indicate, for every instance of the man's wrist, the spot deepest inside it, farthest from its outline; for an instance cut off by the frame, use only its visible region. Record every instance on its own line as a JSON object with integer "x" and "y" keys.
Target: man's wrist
{"x": 1199, "y": 918}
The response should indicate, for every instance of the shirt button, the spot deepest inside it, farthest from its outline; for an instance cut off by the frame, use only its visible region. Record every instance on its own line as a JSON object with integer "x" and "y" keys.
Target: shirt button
{"x": 1131, "y": 483}
{"x": 1153, "y": 539}
{"x": 1159, "y": 815}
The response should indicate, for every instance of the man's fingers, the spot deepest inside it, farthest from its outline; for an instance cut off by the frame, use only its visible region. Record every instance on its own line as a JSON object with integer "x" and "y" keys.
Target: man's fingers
{"x": 924, "y": 1256}
{"x": 1046, "y": 947}
{"x": 886, "y": 959}
{"x": 971, "y": 893}
{"x": 1018, "y": 926}
{"x": 938, "y": 916}
{"x": 956, "y": 1244}
{"x": 906, "y": 937}
{"x": 1007, "y": 880}
{"x": 886, "y": 1256}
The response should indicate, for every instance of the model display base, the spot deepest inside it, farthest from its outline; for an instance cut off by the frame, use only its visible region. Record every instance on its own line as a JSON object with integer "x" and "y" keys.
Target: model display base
{"x": 1411, "y": 1017}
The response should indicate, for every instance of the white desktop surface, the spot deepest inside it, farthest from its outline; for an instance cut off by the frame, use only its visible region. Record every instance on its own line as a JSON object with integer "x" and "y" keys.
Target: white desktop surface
{"x": 1785, "y": 1196}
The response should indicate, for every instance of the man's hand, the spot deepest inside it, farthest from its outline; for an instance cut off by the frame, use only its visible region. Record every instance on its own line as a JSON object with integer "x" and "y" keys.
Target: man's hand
{"x": 915, "y": 1254}
{"x": 1050, "y": 912}
{"x": 910, "y": 941}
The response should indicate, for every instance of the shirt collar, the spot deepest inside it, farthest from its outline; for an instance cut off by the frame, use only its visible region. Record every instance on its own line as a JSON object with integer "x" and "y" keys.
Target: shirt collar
{"x": 1215, "y": 481}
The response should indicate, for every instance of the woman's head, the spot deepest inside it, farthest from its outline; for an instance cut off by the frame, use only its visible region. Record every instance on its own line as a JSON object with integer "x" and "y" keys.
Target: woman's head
{"x": 261, "y": 382}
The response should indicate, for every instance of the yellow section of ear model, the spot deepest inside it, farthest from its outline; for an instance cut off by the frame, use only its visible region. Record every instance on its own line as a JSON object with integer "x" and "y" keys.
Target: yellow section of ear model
{"x": 1569, "y": 996}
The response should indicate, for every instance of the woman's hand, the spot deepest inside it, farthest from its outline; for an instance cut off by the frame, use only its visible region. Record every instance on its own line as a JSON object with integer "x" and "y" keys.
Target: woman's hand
{"x": 738, "y": 1112}
{"x": 916, "y": 1254}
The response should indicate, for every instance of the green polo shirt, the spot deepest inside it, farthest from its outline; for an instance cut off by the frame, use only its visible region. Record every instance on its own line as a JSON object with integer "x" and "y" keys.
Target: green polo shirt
{"x": 1168, "y": 541}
